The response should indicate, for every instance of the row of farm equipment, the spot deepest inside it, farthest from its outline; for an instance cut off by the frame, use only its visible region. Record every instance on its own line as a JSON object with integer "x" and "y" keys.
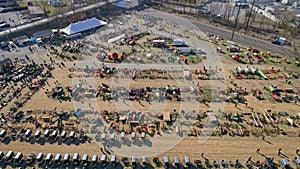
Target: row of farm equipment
{"x": 255, "y": 73}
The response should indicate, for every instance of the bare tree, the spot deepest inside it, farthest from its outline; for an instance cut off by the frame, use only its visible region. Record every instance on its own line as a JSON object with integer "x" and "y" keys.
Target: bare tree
{"x": 215, "y": 8}
{"x": 229, "y": 10}
{"x": 291, "y": 32}
{"x": 44, "y": 5}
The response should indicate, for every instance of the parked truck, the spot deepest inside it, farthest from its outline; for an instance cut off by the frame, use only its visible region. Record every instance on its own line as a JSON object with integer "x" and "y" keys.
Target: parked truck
{"x": 281, "y": 41}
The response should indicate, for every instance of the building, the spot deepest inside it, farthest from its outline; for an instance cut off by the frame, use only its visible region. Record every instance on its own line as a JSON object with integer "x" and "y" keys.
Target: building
{"x": 43, "y": 33}
{"x": 21, "y": 40}
{"x": 35, "y": 12}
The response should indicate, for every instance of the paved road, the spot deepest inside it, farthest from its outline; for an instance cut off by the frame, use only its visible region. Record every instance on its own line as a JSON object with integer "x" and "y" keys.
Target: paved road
{"x": 42, "y": 21}
{"x": 226, "y": 34}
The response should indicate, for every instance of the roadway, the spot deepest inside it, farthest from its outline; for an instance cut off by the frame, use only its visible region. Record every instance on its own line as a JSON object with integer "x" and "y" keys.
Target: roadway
{"x": 45, "y": 20}
{"x": 246, "y": 40}
{"x": 224, "y": 33}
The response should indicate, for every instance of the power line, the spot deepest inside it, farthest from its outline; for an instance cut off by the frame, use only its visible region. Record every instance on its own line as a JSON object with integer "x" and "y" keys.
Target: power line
{"x": 236, "y": 20}
{"x": 248, "y": 21}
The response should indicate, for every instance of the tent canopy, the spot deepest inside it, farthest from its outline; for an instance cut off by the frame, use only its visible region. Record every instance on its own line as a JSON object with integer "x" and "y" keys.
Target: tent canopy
{"x": 81, "y": 26}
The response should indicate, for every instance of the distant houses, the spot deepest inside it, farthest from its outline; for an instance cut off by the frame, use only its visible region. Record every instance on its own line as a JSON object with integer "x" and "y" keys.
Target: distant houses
{"x": 6, "y": 3}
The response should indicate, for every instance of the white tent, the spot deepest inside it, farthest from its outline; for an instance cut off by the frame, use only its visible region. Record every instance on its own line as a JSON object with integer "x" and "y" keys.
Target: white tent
{"x": 81, "y": 26}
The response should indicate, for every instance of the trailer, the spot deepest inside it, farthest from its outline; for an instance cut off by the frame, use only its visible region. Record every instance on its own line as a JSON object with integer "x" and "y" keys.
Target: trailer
{"x": 179, "y": 43}
{"x": 40, "y": 157}
{"x": 9, "y": 155}
{"x": 166, "y": 160}
{"x": 133, "y": 135}
{"x": 103, "y": 159}
{"x": 66, "y": 158}
{"x": 72, "y": 134}
{"x": 37, "y": 134}
{"x": 95, "y": 159}
{"x": 113, "y": 159}
{"x": 184, "y": 50}
{"x": 297, "y": 161}
{"x": 112, "y": 137}
{"x": 133, "y": 160}
{"x": 76, "y": 157}
{"x": 187, "y": 160}
{"x": 49, "y": 157}
{"x": 85, "y": 158}
{"x": 177, "y": 161}
{"x": 3, "y": 133}
{"x": 123, "y": 136}
{"x": 143, "y": 135}
{"x": 144, "y": 160}
{"x": 57, "y": 158}
{"x": 103, "y": 136}
{"x": 47, "y": 133}
{"x": 159, "y": 43}
{"x": 54, "y": 133}
{"x": 285, "y": 163}
{"x": 28, "y": 133}
{"x": 1, "y": 155}
{"x": 18, "y": 157}
{"x": 63, "y": 134}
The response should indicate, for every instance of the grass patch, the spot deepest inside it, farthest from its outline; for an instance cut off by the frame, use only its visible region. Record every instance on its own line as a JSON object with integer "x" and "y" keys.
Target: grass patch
{"x": 22, "y": 4}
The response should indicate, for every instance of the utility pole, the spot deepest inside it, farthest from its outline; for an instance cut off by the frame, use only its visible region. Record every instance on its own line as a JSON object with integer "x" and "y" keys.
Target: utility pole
{"x": 248, "y": 21}
{"x": 236, "y": 20}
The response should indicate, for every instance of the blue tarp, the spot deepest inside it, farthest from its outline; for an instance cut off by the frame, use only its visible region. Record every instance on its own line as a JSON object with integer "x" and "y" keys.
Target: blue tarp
{"x": 78, "y": 112}
{"x": 32, "y": 40}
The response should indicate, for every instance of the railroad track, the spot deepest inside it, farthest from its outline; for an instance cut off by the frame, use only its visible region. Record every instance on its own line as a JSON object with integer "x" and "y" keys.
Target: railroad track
{"x": 246, "y": 40}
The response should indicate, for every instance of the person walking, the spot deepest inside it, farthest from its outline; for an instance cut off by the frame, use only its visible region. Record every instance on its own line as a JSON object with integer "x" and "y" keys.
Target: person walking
{"x": 249, "y": 159}
{"x": 279, "y": 151}
{"x": 235, "y": 105}
{"x": 258, "y": 150}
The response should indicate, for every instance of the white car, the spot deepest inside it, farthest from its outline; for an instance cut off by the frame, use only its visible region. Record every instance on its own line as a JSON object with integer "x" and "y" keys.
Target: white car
{"x": 39, "y": 40}
{"x": 24, "y": 21}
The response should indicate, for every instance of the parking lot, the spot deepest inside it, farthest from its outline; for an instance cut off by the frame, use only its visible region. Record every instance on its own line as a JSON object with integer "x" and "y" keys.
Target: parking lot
{"x": 11, "y": 18}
